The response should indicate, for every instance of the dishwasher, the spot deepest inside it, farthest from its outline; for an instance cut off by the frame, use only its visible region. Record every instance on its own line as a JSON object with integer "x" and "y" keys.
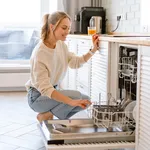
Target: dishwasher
{"x": 111, "y": 123}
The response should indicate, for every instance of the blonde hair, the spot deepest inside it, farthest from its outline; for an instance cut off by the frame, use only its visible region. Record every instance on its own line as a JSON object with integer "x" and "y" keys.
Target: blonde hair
{"x": 55, "y": 18}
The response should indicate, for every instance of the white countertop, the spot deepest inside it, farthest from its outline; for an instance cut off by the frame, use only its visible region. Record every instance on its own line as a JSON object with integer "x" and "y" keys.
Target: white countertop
{"x": 145, "y": 41}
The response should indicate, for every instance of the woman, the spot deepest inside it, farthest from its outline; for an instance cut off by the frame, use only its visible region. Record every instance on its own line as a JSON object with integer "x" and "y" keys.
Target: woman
{"x": 49, "y": 62}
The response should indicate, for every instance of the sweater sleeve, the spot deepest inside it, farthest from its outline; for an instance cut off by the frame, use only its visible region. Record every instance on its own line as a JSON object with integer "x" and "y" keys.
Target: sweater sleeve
{"x": 41, "y": 78}
{"x": 75, "y": 61}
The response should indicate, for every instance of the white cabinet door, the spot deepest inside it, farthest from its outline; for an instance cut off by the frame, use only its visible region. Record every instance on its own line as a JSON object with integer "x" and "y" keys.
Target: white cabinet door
{"x": 72, "y": 46}
{"x": 83, "y": 73}
{"x": 100, "y": 73}
{"x": 65, "y": 82}
{"x": 69, "y": 82}
{"x": 143, "y": 100}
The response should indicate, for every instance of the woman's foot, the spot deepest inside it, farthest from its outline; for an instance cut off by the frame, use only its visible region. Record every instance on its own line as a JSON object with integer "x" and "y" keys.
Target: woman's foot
{"x": 44, "y": 116}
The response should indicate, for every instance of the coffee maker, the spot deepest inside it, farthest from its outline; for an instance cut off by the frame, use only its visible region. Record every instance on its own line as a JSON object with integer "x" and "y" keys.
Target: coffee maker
{"x": 83, "y": 18}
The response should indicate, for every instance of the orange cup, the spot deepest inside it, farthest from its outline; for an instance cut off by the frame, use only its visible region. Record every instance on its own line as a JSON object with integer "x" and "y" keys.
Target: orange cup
{"x": 91, "y": 30}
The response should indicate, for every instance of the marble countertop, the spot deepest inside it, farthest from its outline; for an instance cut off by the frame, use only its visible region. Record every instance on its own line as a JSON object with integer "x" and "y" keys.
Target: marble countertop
{"x": 145, "y": 41}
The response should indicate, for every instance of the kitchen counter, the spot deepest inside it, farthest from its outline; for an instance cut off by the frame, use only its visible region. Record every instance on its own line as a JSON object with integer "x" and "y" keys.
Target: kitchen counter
{"x": 145, "y": 41}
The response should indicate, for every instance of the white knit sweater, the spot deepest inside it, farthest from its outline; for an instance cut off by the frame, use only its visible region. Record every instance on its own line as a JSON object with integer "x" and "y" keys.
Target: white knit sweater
{"x": 49, "y": 66}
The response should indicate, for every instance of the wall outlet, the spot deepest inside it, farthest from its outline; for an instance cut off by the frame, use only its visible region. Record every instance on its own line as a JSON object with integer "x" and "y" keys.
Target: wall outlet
{"x": 145, "y": 29}
{"x": 118, "y": 17}
{"x": 123, "y": 16}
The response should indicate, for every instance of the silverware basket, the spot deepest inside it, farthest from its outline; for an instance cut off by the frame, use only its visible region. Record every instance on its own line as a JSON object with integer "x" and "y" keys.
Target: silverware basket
{"x": 111, "y": 117}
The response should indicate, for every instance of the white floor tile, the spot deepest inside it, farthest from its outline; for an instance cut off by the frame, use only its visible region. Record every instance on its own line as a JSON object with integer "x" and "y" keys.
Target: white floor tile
{"x": 32, "y": 138}
{"x": 22, "y": 149}
{"x": 10, "y": 128}
{"x": 4, "y": 146}
{"x": 20, "y": 143}
{"x": 23, "y": 130}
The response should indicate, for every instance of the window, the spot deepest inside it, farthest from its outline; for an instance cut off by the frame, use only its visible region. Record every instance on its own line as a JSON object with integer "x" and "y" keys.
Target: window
{"x": 19, "y": 26}
{"x": 19, "y": 12}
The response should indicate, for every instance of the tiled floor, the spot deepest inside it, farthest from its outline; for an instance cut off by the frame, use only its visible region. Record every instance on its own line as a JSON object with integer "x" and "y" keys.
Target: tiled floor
{"x": 18, "y": 124}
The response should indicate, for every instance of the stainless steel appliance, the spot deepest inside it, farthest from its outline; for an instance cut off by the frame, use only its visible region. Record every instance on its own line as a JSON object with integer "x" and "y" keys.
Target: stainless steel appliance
{"x": 109, "y": 127}
{"x": 83, "y": 17}
{"x": 96, "y": 21}
{"x": 127, "y": 72}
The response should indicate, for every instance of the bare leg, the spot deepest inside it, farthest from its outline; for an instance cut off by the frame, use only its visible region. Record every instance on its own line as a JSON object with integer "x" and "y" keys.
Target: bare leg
{"x": 44, "y": 116}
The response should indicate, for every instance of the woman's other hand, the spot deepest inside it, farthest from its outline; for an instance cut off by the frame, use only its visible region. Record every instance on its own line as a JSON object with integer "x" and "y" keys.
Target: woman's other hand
{"x": 81, "y": 103}
{"x": 95, "y": 40}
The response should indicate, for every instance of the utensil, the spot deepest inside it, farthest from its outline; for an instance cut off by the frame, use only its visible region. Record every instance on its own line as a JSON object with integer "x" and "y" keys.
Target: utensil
{"x": 129, "y": 110}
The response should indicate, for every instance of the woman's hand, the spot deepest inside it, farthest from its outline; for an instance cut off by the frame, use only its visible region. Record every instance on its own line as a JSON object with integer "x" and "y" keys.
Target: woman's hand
{"x": 95, "y": 40}
{"x": 81, "y": 103}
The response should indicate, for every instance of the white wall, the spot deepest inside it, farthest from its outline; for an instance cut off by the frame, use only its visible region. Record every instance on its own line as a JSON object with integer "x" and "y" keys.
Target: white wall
{"x": 72, "y": 7}
{"x": 129, "y": 9}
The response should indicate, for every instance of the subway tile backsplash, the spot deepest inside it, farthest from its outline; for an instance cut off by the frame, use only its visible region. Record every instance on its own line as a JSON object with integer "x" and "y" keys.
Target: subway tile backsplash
{"x": 129, "y": 9}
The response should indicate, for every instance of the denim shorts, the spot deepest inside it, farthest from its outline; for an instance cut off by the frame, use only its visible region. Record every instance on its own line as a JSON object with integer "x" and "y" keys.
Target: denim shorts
{"x": 42, "y": 104}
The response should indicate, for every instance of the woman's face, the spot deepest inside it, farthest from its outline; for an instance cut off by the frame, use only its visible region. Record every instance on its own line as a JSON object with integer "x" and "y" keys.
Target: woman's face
{"x": 63, "y": 29}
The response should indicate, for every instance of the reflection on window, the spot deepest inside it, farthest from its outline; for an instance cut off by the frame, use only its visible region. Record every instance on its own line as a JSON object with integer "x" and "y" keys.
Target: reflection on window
{"x": 17, "y": 44}
{"x": 19, "y": 26}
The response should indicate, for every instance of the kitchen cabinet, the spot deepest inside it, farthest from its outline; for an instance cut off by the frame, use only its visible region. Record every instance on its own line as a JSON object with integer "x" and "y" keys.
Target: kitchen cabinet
{"x": 78, "y": 79}
{"x": 92, "y": 78}
{"x": 69, "y": 82}
{"x": 143, "y": 100}
{"x": 65, "y": 82}
{"x": 100, "y": 67}
{"x": 72, "y": 46}
{"x": 84, "y": 73}
{"x": 142, "y": 90}
{"x": 104, "y": 74}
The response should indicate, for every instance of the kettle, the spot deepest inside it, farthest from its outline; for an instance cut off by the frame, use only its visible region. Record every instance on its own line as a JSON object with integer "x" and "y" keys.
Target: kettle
{"x": 96, "y": 21}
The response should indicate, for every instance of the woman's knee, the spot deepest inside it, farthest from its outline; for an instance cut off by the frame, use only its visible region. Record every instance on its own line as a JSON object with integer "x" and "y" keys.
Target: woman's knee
{"x": 72, "y": 94}
{"x": 85, "y": 97}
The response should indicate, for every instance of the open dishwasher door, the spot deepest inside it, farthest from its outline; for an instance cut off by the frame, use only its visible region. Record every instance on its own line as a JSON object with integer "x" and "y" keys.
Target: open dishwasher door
{"x": 84, "y": 134}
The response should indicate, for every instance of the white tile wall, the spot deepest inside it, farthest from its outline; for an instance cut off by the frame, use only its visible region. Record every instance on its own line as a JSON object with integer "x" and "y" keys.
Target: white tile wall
{"x": 129, "y": 8}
